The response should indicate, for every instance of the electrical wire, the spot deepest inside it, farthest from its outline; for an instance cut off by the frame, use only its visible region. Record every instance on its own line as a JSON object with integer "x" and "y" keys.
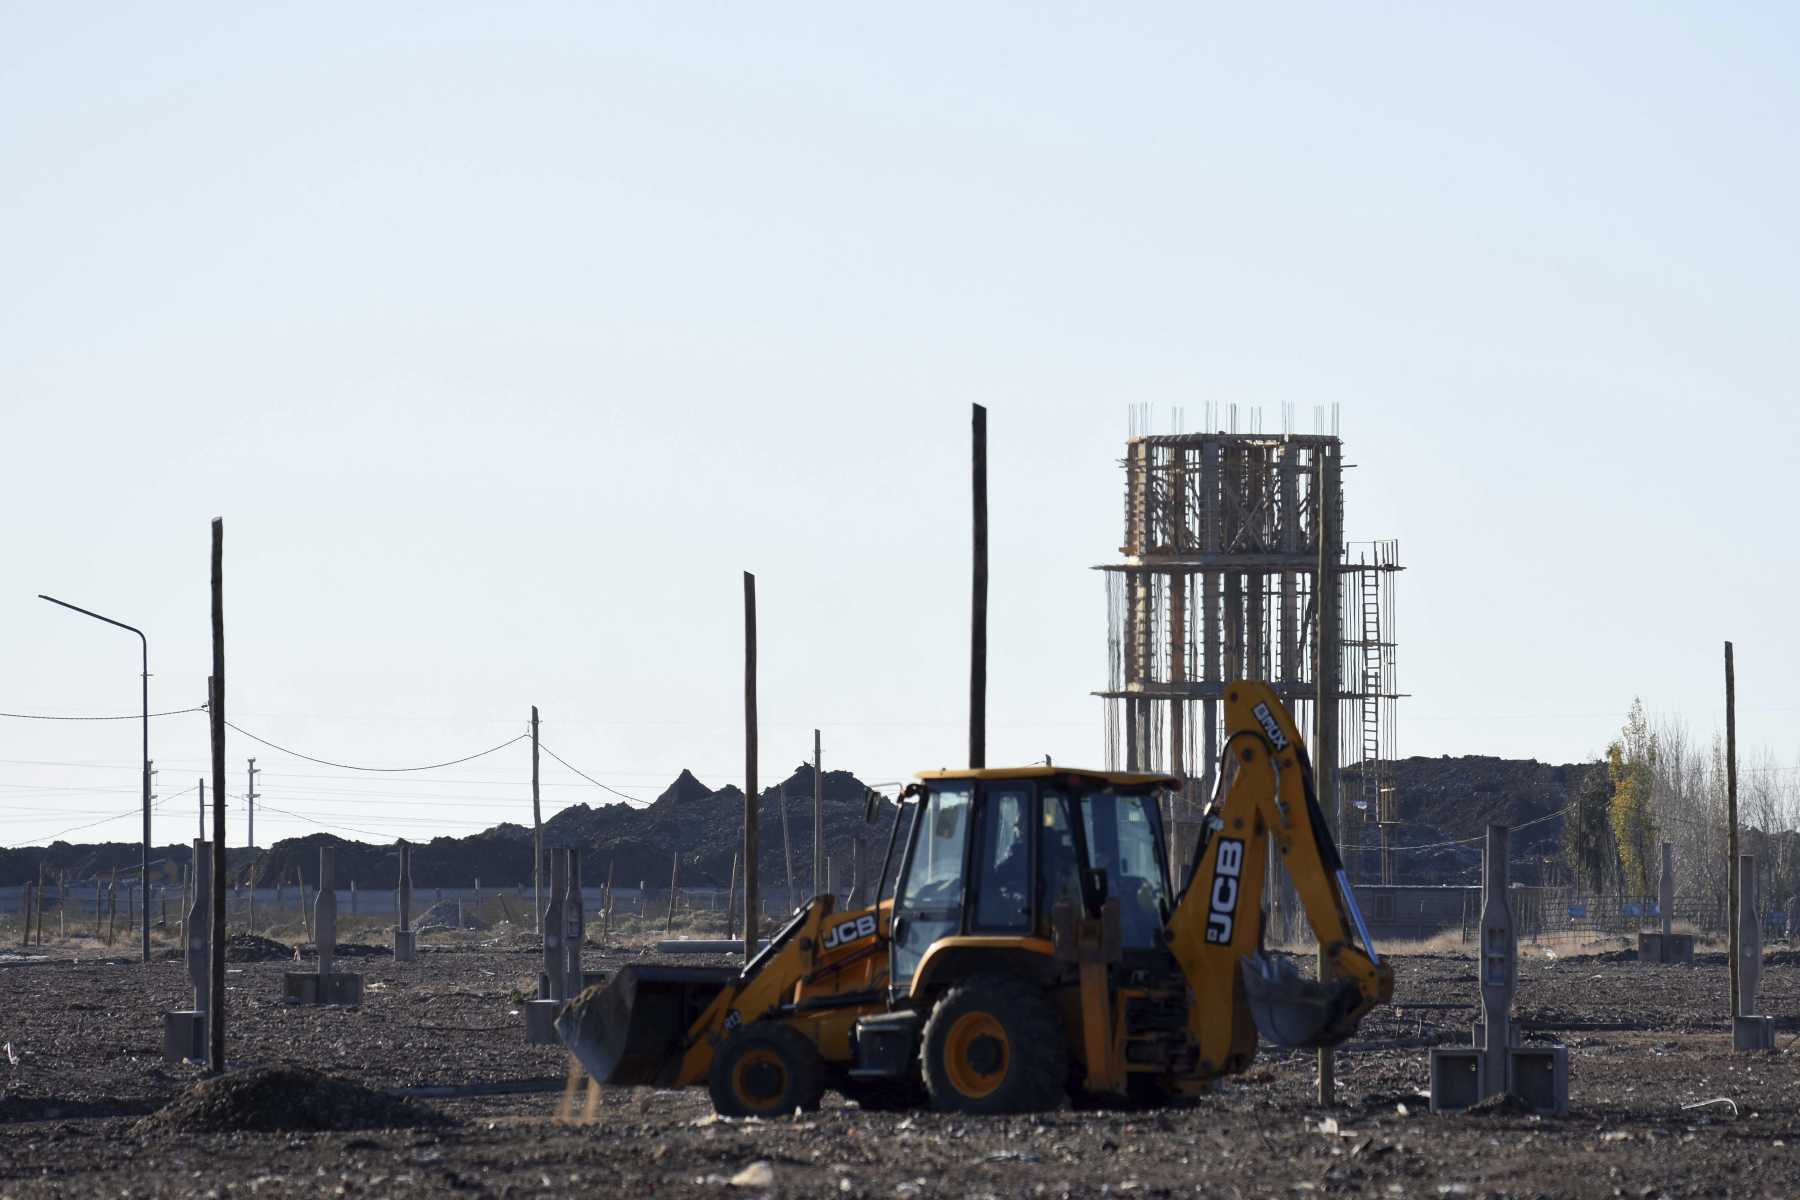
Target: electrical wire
{"x": 136, "y": 716}
{"x": 631, "y": 800}
{"x": 325, "y": 762}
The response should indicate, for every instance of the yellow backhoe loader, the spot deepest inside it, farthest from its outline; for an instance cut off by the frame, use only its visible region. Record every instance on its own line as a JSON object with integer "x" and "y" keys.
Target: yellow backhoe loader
{"x": 1033, "y": 949}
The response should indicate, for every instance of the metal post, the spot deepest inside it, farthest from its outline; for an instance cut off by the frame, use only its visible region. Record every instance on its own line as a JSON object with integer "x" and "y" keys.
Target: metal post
{"x": 978, "y": 594}
{"x": 674, "y": 882}
{"x": 144, "y": 647}
{"x": 537, "y": 830}
{"x": 751, "y": 911}
{"x": 1322, "y": 742}
{"x": 250, "y": 817}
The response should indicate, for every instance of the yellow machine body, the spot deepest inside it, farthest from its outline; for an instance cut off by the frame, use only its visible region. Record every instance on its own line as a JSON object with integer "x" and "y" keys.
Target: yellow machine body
{"x": 1108, "y": 981}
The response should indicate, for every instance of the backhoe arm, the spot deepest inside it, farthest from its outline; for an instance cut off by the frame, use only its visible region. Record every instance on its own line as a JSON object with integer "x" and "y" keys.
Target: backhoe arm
{"x": 1216, "y": 930}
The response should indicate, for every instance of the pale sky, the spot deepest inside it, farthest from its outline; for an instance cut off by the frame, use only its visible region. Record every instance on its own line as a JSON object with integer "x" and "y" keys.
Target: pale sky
{"x": 504, "y": 337}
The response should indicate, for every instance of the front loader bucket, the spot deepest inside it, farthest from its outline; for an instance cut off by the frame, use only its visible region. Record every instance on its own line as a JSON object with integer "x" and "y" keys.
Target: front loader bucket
{"x": 1297, "y": 1012}
{"x": 633, "y": 1029}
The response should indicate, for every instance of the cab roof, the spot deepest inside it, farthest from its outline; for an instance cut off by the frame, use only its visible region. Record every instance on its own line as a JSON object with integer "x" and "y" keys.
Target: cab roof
{"x": 1041, "y": 771}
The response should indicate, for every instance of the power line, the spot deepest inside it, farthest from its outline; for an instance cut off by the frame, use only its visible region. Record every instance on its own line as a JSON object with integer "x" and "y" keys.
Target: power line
{"x": 325, "y": 762}
{"x": 136, "y": 716}
{"x": 631, "y": 800}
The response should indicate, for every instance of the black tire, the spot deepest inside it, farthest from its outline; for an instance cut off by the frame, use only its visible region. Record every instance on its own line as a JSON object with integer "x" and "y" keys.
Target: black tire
{"x": 994, "y": 1044}
{"x": 766, "y": 1070}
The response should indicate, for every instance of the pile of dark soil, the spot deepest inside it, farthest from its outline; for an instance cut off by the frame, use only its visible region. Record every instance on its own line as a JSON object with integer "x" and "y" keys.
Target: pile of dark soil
{"x": 443, "y": 914}
{"x": 250, "y": 947}
{"x": 267, "y": 1099}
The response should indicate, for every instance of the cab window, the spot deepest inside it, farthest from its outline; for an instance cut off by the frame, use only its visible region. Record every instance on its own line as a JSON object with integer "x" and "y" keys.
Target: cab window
{"x": 1003, "y": 859}
{"x": 928, "y": 903}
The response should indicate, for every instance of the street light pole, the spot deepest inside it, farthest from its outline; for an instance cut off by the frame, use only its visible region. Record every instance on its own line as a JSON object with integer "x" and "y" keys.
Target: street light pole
{"x": 144, "y": 642}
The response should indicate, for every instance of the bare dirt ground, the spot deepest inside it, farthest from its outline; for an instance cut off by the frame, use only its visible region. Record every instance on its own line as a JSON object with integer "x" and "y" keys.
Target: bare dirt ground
{"x": 1644, "y": 1041}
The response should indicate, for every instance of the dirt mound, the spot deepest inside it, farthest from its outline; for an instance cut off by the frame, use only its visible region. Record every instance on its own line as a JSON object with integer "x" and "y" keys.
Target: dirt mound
{"x": 444, "y": 915}
{"x": 268, "y": 1099}
{"x": 250, "y": 947}
{"x": 1506, "y": 1104}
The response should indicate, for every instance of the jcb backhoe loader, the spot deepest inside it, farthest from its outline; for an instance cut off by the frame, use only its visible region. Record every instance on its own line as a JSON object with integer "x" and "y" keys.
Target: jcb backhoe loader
{"x": 1032, "y": 949}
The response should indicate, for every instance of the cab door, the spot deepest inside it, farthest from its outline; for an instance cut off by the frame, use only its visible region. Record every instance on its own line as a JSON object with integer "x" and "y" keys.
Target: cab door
{"x": 928, "y": 902}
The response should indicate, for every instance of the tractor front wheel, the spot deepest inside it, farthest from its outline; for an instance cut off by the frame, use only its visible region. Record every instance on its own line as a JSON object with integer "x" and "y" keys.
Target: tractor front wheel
{"x": 766, "y": 1070}
{"x": 994, "y": 1044}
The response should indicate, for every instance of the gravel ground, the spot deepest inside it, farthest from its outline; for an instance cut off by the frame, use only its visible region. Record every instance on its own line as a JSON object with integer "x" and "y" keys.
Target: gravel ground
{"x": 1644, "y": 1041}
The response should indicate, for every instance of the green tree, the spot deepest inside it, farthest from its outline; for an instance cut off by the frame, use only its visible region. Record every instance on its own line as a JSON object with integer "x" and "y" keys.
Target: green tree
{"x": 1631, "y": 766}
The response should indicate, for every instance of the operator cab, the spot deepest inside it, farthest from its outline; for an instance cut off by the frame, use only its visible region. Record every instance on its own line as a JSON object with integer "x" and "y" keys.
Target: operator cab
{"x": 991, "y": 853}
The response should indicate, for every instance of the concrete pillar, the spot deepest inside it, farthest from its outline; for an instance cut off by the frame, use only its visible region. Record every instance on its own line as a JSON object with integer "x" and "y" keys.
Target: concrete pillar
{"x": 197, "y": 926}
{"x": 184, "y": 1031}
{"x": 1499, "y": 962}
{"x": 574, "y": 928}
{"x": 1665, "y": 892}
{"x": 1496, "y": 1064}
{"x": 325, "y": 910}
{"x": 550, "y": 987}
{"x": 326, "y": 985}
{"x": 1750, "y": 1032}
{"x": 405, "y": 941}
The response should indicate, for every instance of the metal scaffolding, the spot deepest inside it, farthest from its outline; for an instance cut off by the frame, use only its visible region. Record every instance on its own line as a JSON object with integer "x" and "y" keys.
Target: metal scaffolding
{"x": 1218, "y": 581}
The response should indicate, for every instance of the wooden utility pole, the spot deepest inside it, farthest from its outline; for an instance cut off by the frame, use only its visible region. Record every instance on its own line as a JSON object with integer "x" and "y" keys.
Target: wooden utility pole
{"x": 1321, "y": 739}
{"x": 1731, "y": 825}
{"x": 202, "y": 789}
{"x": 674, "y": 882}
{"x": 787, "y": 849}
{"x": 818, "y": 871}
{"x": 215, "y": 1059}
{"x": 537, "y": 832}
{"x": 978, "y": 597}
{"x": 250, "y": 817}
{"x": 751, "y": 910}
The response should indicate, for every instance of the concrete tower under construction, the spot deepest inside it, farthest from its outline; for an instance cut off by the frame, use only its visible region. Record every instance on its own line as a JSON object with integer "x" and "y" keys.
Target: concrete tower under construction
{"x": 1219, "y": 579}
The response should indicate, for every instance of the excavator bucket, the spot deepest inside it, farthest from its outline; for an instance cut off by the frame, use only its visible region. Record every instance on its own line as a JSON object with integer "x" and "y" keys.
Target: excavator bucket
{"x": 633, "y": 1028}
{"x": 1293, "y": 1011}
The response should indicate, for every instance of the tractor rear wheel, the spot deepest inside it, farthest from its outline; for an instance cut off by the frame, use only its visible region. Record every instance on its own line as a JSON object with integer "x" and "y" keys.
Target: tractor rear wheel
{"x": 994, "y": 1044}
{"x": 766, "y": 1070}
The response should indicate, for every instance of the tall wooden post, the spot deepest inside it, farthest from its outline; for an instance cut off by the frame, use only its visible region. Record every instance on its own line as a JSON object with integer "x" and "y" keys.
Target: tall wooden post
{"x": 1731, "y": 825}
{"x": 215, "y": 1059}
{"x": 978, "y": 596}
{"x": 752, "y": 911}
{"x": 818, "y": 870}
{"x": 537, "y": 831}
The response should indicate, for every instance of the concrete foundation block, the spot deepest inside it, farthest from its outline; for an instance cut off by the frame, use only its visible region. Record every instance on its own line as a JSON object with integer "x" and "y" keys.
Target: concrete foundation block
{"x": 588, "y": 979}
{"x": 540, "y": 1022}
{"x": 341, "y": 988}
{"x": 406, "y": 945}
{"x": 1675, "y": 949}
{"x": 1455, "y": 1077}
{"x": 184, "y": 1036}
{"x": 1539, "y": 1075}
{"x": 1751, "y": 1034}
